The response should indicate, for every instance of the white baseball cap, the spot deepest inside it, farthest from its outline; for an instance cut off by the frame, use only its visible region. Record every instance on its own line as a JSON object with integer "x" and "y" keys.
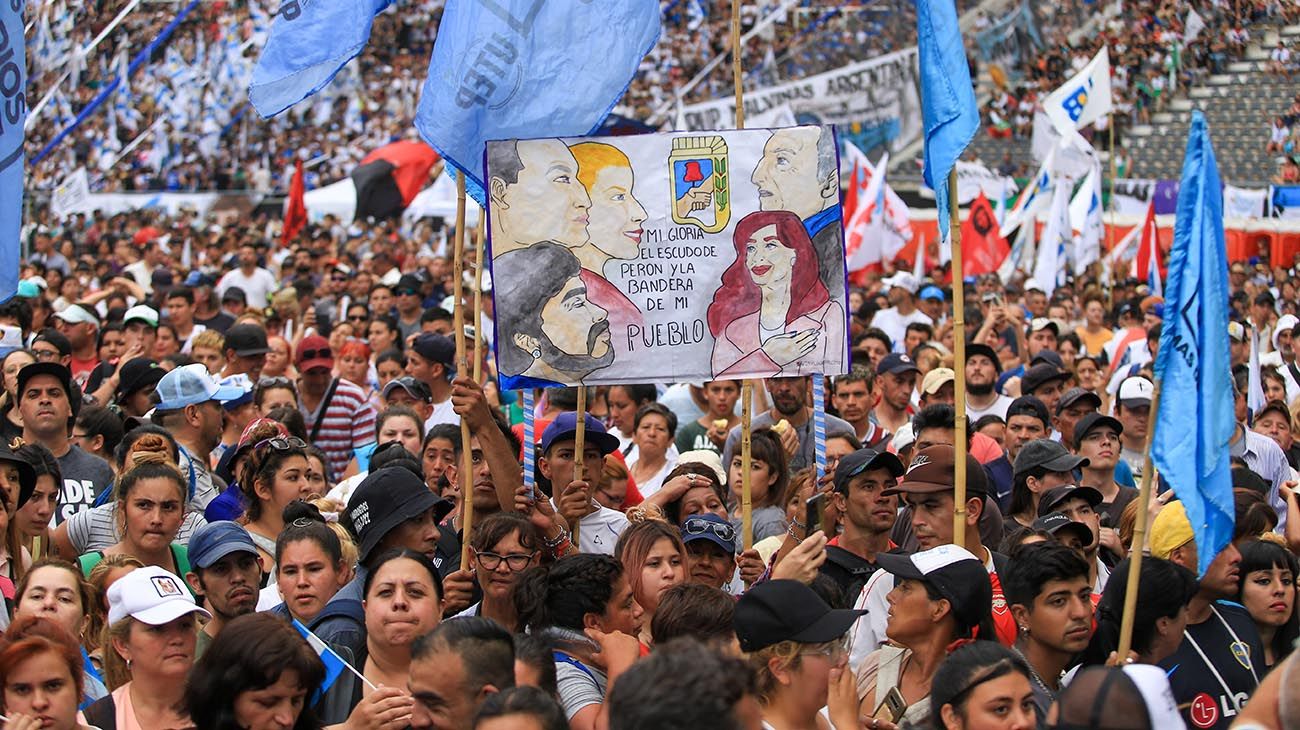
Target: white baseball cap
{"x": 77, "y": 314}
{"x": 903, "y": 280}
{"x": 145, "y": 314}
{"x": 1136, "y": 392}
{"x": 150, "y": 595}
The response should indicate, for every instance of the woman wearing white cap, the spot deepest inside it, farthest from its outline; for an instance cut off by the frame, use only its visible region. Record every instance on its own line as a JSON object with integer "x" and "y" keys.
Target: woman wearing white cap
{"x": 148, "y": 651}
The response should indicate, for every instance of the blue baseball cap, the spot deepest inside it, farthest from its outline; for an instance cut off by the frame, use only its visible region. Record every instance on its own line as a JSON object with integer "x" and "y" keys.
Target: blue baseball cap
{"x": 243, "y": 384}
{"x": 708, "y": 526}
{"x": 932, "y": 292}
{"x": 565, "y": 426}
{"x": 190, "y": 385}
{"x": 216, "y": 540}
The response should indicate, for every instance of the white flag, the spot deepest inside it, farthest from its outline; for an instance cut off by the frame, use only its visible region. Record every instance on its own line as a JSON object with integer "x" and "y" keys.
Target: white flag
{"x": 1255, "y": 399}
{"x": 864, "y": 233}
{"x": 1056, "y": 240}
{"x": 1193, "y": 27}
{"x": 72, "y": 194}
{"x": 1082, "y": 99}
{"x": 1033, "y": 199}
{"x": 1085, "y": 217}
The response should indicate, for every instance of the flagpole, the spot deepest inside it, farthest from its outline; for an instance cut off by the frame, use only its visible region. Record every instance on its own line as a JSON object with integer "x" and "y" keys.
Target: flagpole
{"x": 747, "y": 386}
{"x": 1113, "y": 166}
{"x": 959, "y": 364}
{"x": 458, "y": 319}
{"x": 1138, "y": 546}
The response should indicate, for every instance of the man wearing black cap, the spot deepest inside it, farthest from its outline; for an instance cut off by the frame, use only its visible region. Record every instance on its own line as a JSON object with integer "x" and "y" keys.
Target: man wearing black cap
{"x": 1041, "y": 465}
{"x": 46, "y": 402}
{"x": 896, "y": 377}
{"x": 1073, "y": 405}
{"x": 927, "y": 488}
{"x": 407, "y": 298}
{"x": 409, "y": 392}
{"x": 234, "y": 302}
{"x": 1097, "y": 439}
{"x": 1043, "y": 381}
{"x": 982, "y": 371}
{"x": 790, "y": 404}
{"x": 861, "y": 479}
{"x": 246, "y": 349}
{"x": 1080, "y": 504}
{"x": 1027, "y": 420}
{"x": 431, "y": 360}
{"x": 136, "y": 382}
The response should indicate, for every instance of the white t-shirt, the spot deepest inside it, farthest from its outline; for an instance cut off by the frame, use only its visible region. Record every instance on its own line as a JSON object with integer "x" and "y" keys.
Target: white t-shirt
{"x": 442, "y": 413}
{"x": 258, "y": 287}
{"x": 998, "y": 408}
{"x": 895, "y": 324}
{"x": 599, "y": 531}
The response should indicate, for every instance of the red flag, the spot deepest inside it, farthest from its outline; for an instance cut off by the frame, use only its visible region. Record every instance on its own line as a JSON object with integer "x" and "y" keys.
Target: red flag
{"x": 1148, "y": 247}
{"x": 295, "y": 211}
{"x": 851, "y": 195}
{"x": 983, "y": 245}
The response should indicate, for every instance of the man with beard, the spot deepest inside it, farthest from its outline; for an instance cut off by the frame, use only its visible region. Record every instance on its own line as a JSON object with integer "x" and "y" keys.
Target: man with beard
{"x": 790, "y": 404}
{"x": 1050, "y": 597}
{"x": 982, "y": 371}
{"x": 1097, "y": 438}
{"x": 861, "y": 479}
{"x": 226, "y": 573}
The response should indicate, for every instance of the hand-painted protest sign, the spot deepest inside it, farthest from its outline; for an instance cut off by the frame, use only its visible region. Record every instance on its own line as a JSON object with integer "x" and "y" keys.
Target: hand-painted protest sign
{"x": 873, "y": 103}
{"x": 667, "y": 257}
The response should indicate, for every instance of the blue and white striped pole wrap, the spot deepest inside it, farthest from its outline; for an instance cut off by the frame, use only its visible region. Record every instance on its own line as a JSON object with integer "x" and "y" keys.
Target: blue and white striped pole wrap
{"x": 819, "y": 423}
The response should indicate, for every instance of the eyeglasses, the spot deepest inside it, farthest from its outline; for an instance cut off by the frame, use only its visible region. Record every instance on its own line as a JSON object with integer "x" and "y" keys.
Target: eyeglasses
{"x": 46, "y": 355}
{"x": 356, "y": 318}
{"x": 322, "y": 353}
{"x": 831, "y": 649}
{"x": 515, "y": 561}
{"x": 699, "y": 527}
{"x": 407, "y": 293}
{"x": 282, "y": 443}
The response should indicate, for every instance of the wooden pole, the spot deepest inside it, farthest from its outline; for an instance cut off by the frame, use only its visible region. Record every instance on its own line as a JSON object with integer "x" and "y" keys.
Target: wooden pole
{"x": 958, "y": 365}
{"x": 1139, "y": 534}
{"x": 747, "y": 387}
{"x": 579, "y": 438}
{"x": 458, "y": 319}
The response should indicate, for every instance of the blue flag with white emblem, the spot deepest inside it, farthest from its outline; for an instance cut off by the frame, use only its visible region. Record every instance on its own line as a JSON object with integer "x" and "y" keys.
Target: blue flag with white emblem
{"x": 310, "y": 41}
{"x": 1196, "y": 421}
{"x": 947, "y": 96}
{"x": 519, "y": 69}
{"x": 13, "y": 115}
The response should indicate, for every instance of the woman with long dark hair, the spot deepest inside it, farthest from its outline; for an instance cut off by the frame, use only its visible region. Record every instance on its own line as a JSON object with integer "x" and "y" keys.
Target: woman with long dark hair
{"x": 772, "y": 315}
{"x": 1266, "y": 587}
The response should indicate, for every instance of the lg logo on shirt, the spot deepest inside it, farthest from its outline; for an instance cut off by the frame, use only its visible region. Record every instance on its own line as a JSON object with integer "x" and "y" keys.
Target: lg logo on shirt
{"x": 1206, "y": 710}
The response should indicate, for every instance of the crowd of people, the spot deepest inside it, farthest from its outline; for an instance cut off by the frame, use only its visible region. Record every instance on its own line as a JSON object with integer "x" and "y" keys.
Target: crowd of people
{"x": 198, "y": 460}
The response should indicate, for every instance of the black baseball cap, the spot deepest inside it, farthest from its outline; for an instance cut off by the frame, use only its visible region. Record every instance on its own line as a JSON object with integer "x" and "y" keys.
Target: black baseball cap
{"x": 1040, "y": 375}
{"x": 49, "y": 368}
{"x": 1074, "y": 395}
{"x": 1094, "y": 421}
{"x": 1055, "y": 523}
{"x": 26, "y": 473}
{"x": 56, "y": 338}
{"x": 896, "y": 363}
{"x": 1051, "y": 357}
{"x": 408, "y": 283}
{"x": 414, "y": 387}
{"x": 436, "y": 348}
{"x": 136, "y": 375}
{"x": 979, "y": 348}
{"x": 787, "y": 610}
{"x": 385, "y": 499}
{"x": 1028, "y": 405}
{"x": 1047, "y": 454}
{"x": 235, "y": 294}
{"x": 951, "y": 570}
{"x": 862, "y": 460}
{"x": 1053, "y": 497}
{"x": 247, "y": 340}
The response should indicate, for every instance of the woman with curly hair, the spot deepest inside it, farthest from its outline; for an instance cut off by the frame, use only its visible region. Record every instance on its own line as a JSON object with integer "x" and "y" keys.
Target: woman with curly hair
{"x": 654, "y": 560}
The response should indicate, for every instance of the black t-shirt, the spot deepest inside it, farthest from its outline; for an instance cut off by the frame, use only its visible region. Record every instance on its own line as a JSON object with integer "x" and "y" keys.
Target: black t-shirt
{"x": 849, "y": 571}
{"x": 1208, "y": 693}
{"x": 219, "y": 322}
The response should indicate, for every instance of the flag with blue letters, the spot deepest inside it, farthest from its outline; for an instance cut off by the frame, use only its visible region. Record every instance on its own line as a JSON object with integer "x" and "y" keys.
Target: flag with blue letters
{"x": 947, "y": 96}
{"x": 310, "y": 41}
{"x": 13, "y": 116}
{"x": 1196, "y": 421}
{"x": 518, "y": 69}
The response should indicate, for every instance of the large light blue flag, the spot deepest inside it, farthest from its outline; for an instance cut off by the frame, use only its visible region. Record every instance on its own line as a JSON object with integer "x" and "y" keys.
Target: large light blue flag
{"x": 13, "y": 115}
{"x": 1196, "y": 420}
{"x": 513, "y": 69}
{"x": 947, "y": 97}
{"x": 310, "y": 41}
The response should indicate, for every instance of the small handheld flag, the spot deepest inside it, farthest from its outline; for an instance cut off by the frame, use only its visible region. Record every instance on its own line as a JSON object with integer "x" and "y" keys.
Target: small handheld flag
{"x": 334, "y": 664}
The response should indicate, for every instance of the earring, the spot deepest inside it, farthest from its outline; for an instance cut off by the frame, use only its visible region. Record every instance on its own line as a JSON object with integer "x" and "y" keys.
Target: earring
{"x": 536, "y": 353}
{"x": 1024, "y": 629}
{"x": 128, "y": 665}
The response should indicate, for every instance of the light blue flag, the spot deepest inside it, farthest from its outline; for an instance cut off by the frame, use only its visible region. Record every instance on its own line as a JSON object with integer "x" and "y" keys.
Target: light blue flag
{"x": 13, "y": 115}
{"x": 310, "y": 41}
{"x": 1193, "y": 362}
{"x": 947, "y": 97}
{"x": 512, "y": 69}
{"x": 334, "y": 664}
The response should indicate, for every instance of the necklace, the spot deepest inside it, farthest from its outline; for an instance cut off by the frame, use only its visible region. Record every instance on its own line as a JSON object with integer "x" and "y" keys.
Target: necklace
{"x": 1033, "y": 674}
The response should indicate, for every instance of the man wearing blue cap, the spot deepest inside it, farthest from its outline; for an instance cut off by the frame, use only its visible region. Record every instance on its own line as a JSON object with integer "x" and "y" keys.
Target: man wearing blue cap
{"x": 598, "y": 526}
{"x": 239, "y": 412}
{"x": 227, "y": 572}
{"x": 189, "y": 405}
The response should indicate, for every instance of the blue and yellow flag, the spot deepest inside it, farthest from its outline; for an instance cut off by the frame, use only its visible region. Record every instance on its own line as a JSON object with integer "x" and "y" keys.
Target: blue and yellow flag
{"x": 1196, "y": 420}
{"x": 519, "y": 69}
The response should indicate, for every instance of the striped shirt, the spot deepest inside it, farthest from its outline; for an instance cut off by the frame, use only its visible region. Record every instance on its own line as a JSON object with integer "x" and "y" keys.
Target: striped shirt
{"x": 349, "y": 423}
{"x": 1264, "y": 457}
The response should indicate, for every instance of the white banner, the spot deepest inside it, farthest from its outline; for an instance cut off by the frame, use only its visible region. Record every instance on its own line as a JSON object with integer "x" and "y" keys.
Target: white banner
{"x": 1243, "y": 202}
{"x": 974, "y": 178}
{"x": 169, "y": 203}
{"x": 72, "y": 195}
{"x": 872, "y": 102}
{"x": 1131, "y": 197}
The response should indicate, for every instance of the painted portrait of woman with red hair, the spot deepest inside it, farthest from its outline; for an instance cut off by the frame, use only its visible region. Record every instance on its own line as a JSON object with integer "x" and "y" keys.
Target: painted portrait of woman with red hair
{"x": 772, "y": 316}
